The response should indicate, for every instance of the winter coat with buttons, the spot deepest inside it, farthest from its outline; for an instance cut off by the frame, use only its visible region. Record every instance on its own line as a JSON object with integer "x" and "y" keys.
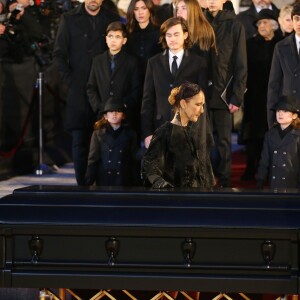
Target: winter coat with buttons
{"x": 112, "y": 157}
{"x": 281, "y": 159}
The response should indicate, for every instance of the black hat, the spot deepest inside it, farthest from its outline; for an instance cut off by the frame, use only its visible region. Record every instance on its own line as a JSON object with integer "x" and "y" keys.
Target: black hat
{"x": 114, "y": 105}
{"x": 288, "y": 103}
{"x": 265, "y": 14}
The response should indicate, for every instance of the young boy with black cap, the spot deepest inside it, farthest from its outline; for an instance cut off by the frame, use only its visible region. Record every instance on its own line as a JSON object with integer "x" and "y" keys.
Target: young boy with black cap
{"x": 113, "y": 148}
{"x": 280, "y": 157}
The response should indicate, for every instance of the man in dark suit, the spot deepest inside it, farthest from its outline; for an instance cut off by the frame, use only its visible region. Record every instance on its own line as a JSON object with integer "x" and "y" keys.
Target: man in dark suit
{"x": 80, "y": 37}
{"x": 248, "y": 17}
{"x": 285, "y": 70}
{"x": 229, "y": 77}
{"x": 115, "y": 74}
{"x": 168, "y": 70}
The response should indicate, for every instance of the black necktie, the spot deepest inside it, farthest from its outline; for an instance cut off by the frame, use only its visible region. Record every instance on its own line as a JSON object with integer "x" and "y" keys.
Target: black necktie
{"x": 174, "y": 66}
{"x": 112, "y": 64}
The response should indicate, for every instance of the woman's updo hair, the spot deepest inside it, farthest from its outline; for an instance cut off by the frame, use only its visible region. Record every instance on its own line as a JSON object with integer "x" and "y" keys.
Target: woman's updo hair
{"x": 185, "y": 91}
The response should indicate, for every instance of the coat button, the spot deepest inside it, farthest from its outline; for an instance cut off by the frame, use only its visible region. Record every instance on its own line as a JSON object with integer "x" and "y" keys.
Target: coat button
{"x": 283, "y": 178}
{"x": 110, "y": 150}
{"x": 111, "y": 82}
{"x": 284, "y": 165}
{"x": 109, "y": 172}
{"x": 121, "y": 151}
{"x": 118, "y": 173}
{"x": 273, "y": 166}
{"x": 294, "y": 91}
{"x": 296, "y": 75}
{"x": 109, "y": 161}
{"x": 273, "y": 177}
{"x": 284, "y": 153}
{"x": 119, "y": 162}
{"x": 275, "y": 151}
{"x": 111, "y": 93}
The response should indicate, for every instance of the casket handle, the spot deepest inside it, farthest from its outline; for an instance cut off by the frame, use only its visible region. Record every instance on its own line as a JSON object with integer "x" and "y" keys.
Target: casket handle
{"x": 188, "y": 250}
{"x": 112, "y": 246}
{"x": 268, "y": 251}
{"x": 36, "y": 245}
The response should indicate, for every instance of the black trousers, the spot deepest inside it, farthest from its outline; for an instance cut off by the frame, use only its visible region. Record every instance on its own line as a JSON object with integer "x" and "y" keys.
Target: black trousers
{"x": 80, "y": 152}
{"x": 221, "y": 124}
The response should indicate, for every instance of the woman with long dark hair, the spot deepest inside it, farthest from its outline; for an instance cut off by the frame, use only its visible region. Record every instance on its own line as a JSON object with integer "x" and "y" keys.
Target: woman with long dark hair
{"x": 143, "y": 32}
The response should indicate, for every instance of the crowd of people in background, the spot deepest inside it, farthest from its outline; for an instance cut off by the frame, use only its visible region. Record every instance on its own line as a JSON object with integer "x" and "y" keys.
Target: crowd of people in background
{"x": 151, "y": 92}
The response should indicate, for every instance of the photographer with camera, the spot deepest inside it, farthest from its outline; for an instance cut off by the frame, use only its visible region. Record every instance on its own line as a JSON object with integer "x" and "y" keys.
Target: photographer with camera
{"x": 23, "y": 30}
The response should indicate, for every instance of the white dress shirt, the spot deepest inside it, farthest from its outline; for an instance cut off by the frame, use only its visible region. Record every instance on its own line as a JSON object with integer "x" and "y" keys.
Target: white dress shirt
{"x": 178, "y": 60}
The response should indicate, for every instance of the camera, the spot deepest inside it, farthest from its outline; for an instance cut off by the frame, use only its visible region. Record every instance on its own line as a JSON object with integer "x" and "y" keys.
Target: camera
{"x": 11, "y": 19}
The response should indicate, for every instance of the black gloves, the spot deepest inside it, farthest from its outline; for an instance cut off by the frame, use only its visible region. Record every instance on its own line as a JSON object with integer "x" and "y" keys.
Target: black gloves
{"x": 160, "y": 183}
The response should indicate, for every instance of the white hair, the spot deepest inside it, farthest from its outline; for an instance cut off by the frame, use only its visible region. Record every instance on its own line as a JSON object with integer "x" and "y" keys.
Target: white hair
{"x": 274, "y": 25}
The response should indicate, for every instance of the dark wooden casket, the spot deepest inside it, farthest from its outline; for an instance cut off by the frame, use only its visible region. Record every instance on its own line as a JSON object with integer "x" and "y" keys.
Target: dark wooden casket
{"x": 143, "y": 239}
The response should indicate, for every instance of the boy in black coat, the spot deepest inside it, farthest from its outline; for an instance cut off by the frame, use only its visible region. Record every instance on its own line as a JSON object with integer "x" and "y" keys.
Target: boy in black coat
{"x": 115, "y": 74}
{"x": 166, "y": 70}
{"x": 112, "y": 150}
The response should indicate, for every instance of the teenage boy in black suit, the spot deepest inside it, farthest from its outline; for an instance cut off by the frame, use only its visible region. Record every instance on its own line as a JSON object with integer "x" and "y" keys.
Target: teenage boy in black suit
{"x": 167, "y": 70}
{"x": 114, "y": 74}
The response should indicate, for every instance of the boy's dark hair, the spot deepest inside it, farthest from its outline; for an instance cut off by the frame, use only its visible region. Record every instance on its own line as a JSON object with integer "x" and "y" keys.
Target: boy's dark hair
{"x": 165, "y": 26}
{"x": 117, "y": 26}
{"x": 296, "y": 9}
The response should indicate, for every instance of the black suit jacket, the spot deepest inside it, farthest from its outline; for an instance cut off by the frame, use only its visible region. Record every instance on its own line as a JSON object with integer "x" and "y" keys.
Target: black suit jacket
{"x": 159, "y": 82}
{"x": 284, "y": 77}
{"x": 123, "y": 83}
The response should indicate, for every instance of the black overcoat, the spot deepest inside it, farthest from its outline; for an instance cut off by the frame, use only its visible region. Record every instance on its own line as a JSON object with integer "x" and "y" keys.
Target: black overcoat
{"x": 123, "y": 84}
{"x": 284, "y": 75}
{"x": 76, "y": 45}
{"x": 281, "y": 159}
{"x": 259, "y": 57}
{"x": 112, "y": 157}
{"x": 230, "y": 61}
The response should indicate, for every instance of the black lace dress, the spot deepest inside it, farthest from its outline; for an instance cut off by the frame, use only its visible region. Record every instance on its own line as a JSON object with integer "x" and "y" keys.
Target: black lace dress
{"x": 180, "y": 155}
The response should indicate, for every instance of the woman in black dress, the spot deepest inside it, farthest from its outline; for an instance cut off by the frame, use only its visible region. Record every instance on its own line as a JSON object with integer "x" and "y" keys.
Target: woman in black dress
{"x": 178, "y": 156}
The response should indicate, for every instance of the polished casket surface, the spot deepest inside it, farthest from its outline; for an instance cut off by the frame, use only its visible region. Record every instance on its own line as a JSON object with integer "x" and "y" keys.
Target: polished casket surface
{"x": 137, "y": 238}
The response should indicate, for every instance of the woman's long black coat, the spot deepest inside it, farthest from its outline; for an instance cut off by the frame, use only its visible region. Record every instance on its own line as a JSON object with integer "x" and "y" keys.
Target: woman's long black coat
{"x": 259, "y": 56}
